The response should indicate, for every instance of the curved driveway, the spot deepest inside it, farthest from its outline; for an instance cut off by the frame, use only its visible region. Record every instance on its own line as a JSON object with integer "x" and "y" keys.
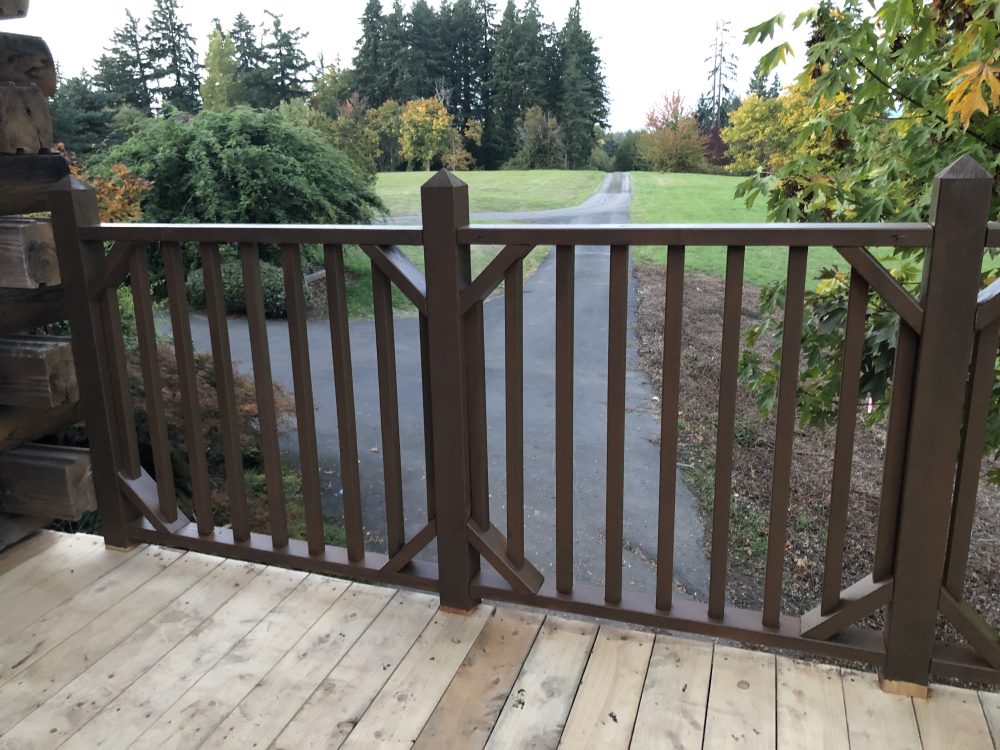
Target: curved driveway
{"x": 610, "y": 204}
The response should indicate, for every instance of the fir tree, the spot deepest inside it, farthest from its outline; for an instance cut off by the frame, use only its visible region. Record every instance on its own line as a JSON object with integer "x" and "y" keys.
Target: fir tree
{"x": 173, "y": 56}
{"x": 251, "y": 63}
{"x": 583, "y": 101}
{"x": 81, "y": 115}
{"x": 426, "y": 54}
{"x": 369, "y": 62}
{"x": 286, "y": 63}
{"x": 125, "y": 71}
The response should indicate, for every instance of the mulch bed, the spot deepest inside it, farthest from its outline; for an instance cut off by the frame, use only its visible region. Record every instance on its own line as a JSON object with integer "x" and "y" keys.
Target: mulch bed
{"x": 812, "y": 464}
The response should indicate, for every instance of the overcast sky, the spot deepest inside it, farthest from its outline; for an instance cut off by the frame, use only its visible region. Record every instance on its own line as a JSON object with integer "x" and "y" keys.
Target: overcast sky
{"x": 649, "y": 47}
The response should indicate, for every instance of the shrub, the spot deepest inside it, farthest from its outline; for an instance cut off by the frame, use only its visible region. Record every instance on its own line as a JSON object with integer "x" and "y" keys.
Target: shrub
{"x": 272, "y": 281}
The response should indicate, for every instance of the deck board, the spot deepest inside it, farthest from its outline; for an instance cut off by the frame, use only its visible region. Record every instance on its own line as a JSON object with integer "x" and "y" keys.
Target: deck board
{"x": 741, "y": 700}
{"x": 22, "y": 648}
{"x": 146, "y": 699}
{"x": 536, "y": 710}
{"x": 203, "y": 707}
{"x": 275, "y": 699}
{"x": 158, "y": 648}
{"x": 672, "y": 708}
{"x": 469, "y": 708}
{"x": 79, "y": 701}
{"x": 875, "y": 719}
{"x": 952, "y": 718}
{"x": 325, "y": 720}
{"x": 407, "y": 700}
{"x": 811, "y": 708}
{"x": 28, "y": 688}
{"x": 607, "y": 701}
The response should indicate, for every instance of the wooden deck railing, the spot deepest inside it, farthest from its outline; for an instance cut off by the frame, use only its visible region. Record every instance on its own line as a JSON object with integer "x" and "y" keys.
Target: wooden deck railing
{"x": 928, "y": 498}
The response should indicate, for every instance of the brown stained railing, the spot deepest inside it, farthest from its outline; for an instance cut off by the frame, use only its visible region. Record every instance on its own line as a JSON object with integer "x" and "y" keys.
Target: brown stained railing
{"x": 222, "y": 363}
{"x": 673, "y": 313}
{"x": 514, "y": 396}
{"x": 725, "y": 432}
{"x": 565, "y": 324}
{"x": 847, "y": 417}
{"x": 267, "y": 413}
{"x": 194, "y": 436}
{"x": 927, "y": 501}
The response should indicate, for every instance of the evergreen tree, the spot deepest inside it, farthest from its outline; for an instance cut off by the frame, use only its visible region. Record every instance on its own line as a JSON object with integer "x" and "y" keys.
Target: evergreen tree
{"x": 369, "y": 62}
{"x": 251, "y": 63}
{"x": 761, "y": 88}
{"x": 81, "y": 115}
{"x": 286, "y": 62}
{"x": 426, "y": 54}
{"x": 124, "y": 72}
{"x": 396, "y": 50}
{"x": 583, "y": 101}
{"x": 469, "y": 37}
{"x": 173, "y": 56}
{"x": 219, "y": 89}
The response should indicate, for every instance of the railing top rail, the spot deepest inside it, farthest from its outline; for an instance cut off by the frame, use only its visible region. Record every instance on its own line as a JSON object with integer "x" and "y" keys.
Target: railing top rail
{"x": 857, "y": 235}
{"x": 266, "y": 233}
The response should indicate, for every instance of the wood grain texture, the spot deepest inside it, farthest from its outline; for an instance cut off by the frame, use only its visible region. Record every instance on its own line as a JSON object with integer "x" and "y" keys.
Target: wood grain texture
{"x": 27, "y": 254}
{"x": 200, "y": 710}
{"x": 404, "y": 705}
{"x": 952, "y": 717}
{"x": 605, "y": 707}
{"x": 145, "y": 700}
{"x": 27, "y": 59}
{"x": 25, "y": 124}
{"x": 52, "y": 481}
{"x": 741, "y": 700}
{"x": 469, "y": 708}
{"x": 27, "y": 688}
{"x": 811, "y": 709}
{"x": 20, "y": 650}
{"x": 539, "y": 704}
{"x": 876, "y": 719}
{"x": 64, "y": 712}
{"x": 338, "y": 704}
{"x": 672, "y": 709}
{"x": 274, "y": 700}
{"x": 25, "y": 181}
{"x": 37, "y": 371}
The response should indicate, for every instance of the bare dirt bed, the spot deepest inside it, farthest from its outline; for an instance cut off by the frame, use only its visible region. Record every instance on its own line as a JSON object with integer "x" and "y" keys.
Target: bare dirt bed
{"x": 753, "y": 456}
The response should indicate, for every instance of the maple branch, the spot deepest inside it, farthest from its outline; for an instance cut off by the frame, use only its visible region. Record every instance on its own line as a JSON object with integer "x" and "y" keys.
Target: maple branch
{"x": 917, "y": 103}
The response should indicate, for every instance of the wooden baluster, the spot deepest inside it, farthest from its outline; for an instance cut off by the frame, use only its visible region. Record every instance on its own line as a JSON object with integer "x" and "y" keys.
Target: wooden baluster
{"x": 565, "y": 307}
{"x": 617, "y": 350}
{"x": 514, "y": 392}
{"x": 784, "y": 437}
{"x": 726, "y": 432}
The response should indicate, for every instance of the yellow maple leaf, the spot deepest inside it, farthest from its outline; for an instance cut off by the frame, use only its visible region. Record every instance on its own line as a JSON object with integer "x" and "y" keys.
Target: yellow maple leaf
{"x": 966, "y": 95}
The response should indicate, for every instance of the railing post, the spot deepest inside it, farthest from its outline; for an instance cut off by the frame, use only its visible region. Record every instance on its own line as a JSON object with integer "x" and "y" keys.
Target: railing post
{"x": 951, "y": 281}
{"x": 81, "y": 264}
{"x": 445, "y": 207}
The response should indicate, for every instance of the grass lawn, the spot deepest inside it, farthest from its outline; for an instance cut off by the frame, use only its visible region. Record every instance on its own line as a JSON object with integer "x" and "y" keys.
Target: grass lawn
{"x": 537, "y": 190}
{"x": 701, "y": 198}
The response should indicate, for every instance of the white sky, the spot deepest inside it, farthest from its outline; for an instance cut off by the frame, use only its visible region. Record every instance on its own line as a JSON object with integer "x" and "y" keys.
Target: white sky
{"x": 649, "y": 47}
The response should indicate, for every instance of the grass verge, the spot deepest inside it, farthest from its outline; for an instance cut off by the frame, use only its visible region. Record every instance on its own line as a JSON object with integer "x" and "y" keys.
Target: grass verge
{"x": 534, "y": 190}
{"x": 701, "y": 198}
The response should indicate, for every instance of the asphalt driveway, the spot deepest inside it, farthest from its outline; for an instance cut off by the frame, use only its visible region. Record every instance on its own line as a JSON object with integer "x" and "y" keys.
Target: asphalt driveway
{"x": 610, "y": 204}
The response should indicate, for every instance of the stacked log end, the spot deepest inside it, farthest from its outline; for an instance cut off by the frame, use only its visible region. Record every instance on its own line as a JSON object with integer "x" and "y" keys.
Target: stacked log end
{"x": 39, "y": 395}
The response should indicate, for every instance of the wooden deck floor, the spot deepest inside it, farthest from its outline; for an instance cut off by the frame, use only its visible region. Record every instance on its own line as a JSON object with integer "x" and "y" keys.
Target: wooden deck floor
{"x": 156, "y": 648}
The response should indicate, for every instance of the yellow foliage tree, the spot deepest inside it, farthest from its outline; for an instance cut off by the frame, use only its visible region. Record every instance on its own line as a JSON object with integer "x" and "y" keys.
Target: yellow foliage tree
{"x": 762, "y": 133}
{"x": 426, "y": 132}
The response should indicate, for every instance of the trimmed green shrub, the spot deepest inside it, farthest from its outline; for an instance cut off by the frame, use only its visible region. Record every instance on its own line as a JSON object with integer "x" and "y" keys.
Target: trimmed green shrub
{"x": 272, "y": 281}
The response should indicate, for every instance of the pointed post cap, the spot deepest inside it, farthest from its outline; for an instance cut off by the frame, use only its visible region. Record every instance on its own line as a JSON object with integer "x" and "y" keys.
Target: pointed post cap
{"x": 964, "y": 168}
{"x": 443, "y": 179}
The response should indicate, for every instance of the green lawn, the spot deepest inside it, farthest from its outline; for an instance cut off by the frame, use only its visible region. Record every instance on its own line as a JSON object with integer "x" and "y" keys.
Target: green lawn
{"x": 537, "y": 190}
{"x": 700, "y": 198}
